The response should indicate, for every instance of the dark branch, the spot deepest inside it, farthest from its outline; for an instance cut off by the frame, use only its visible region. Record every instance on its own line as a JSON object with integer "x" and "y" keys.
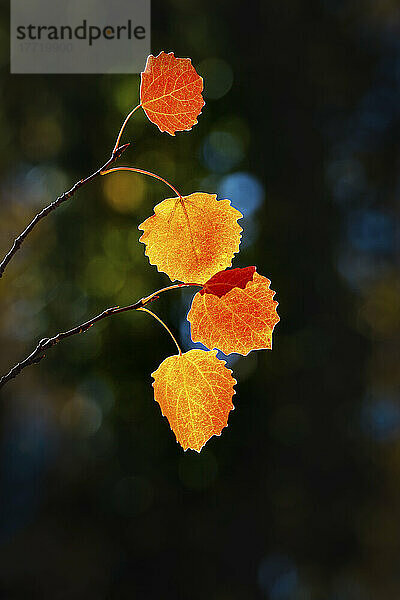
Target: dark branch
{"x": 55, "y": 204}
{"x": 46, "y": 343}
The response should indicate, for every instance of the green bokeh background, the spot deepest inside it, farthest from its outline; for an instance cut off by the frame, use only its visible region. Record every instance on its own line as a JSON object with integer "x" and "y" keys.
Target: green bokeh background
{"x": 299, "y": 498}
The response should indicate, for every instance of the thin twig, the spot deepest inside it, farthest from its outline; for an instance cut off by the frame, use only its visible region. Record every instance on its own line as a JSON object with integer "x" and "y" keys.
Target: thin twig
{"x": 157, "y": 318}
{"x": 47, "y": 343}
{"x": 124, "y": 125}
{"x": 55, "y": 204}
{"x": 135, "y": 170}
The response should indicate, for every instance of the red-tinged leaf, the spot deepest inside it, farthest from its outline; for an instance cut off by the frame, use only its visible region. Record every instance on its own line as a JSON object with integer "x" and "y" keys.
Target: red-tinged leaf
{"x": 241, "y": 320}
{"x": 194, "y": 391}
{"x": 170, "y": 92}
{"x": 221, "y": 283}
{"x": 192, "y": 239}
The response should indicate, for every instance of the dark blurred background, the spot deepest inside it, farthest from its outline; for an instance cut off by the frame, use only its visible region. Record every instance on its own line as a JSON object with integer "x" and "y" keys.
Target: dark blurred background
{"x": 299, "y": 499}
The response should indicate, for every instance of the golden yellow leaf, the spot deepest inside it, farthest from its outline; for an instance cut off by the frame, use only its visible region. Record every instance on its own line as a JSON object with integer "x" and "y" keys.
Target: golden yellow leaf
{"x": 192, "y": 239}
{"x": 194, "y": 391}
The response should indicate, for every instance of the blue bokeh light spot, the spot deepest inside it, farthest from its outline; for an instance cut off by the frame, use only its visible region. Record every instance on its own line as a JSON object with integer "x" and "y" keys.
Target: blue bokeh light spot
{"x": 222, "y": 151}
{"x": 380, "y": 418}
{"x": 278, "y": 577}
{"x": 245, "y": 192}
{"x": 371, "y": 230}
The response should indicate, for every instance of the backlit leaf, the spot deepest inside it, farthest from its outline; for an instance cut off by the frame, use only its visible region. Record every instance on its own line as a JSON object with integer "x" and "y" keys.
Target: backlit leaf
{"x": 194, "y": 391}
{"x": 170, "y": 92}
{"x": 224, "y": 281}
{"x": 241, "y": 319}
{"x": 193, "y": 239}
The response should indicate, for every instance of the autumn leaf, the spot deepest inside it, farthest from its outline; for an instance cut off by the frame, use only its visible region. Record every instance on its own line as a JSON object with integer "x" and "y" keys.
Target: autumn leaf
{"x": 240, "y": 319}
{"x": 223, "y": 282}
{"x": 192, "y": 238}
{"x": 170, "y": 92}
{"x": 194, "y": 391}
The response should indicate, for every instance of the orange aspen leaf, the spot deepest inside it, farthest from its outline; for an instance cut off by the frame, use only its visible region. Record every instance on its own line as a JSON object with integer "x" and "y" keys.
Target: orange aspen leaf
{"x": 192, "y": 238}
{"x": 241, "y": 318}
{"x": 170, "y": 92}
{"x": 194, "y": 391}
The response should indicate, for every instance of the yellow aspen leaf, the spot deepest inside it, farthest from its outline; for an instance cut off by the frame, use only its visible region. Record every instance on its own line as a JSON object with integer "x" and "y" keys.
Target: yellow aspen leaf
{"x": 170, "y": 92}
{"x": 192, "y": 238}
{"x": 194, "y": 391}
{"x": 234, "y": 312}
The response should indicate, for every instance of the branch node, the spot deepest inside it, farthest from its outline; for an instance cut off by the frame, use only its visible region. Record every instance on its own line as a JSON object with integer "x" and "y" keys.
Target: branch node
{"x": 120, "y": 150}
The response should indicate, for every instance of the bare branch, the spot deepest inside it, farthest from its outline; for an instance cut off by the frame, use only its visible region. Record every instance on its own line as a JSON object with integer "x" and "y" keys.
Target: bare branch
{"x": 55, "y": 204}
{"x": 46, "y": 343}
